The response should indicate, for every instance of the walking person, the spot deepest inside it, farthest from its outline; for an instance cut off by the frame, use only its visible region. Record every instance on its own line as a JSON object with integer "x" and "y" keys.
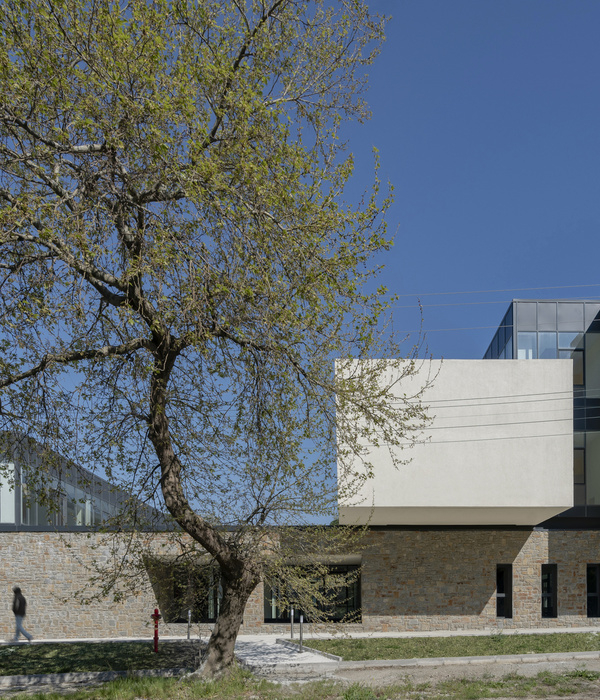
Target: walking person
{"x": 19, "y": 607}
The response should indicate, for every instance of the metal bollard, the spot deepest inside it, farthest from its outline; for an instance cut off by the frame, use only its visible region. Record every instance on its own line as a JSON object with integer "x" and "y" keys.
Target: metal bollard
{"x": 189, "y": 623}
{"x": 301, "y": 623}
{"x": 156, "y": 617}
{"x": 292, "y": 623}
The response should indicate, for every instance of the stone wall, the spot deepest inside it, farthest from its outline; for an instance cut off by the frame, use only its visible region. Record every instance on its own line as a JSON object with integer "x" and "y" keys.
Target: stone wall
{"x": 411, "y": 580}
{"x": 50, "y": 568}
{"x": 446, "y": 579}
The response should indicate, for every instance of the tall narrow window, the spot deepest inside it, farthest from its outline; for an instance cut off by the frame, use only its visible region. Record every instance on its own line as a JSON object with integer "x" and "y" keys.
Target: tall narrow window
{"x": 504, "y": 590}
{"x": 579, "y": 465}
{"x": 549, "y": 590}
{"x": 197, "y": 589}
{"x": 26, "y": 506}
{"x": 593, "y": 582}
{"x": 547, "y": 346}
{"x": 7, "y": 493}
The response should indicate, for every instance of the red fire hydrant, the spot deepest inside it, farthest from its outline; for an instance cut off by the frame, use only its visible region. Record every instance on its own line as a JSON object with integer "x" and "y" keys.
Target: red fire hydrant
{"x": 156, "y": 617}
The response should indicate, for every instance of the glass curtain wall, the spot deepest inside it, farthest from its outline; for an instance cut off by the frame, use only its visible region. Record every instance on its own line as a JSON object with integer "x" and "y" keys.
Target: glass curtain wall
{"x": 564, "y": 329}
{"x": 55, "y": 503}
{"x": 65, "y": 505}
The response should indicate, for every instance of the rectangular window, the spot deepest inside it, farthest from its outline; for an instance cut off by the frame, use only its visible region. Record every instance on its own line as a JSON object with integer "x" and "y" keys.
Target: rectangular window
{"x": 97, "y": 512}
{"x": 504, "y": 590}
{"x": 7, "y": 493}
{"x": 579, "y": 440}
{"x": 185, "y": 586}
{"x": 58, "y": 514}
{"x": 578, "y": 368}
{"x": 71, "y": 515}
{"x": 570, "y": 341}
{"x": 593, "y": 581}
{"x": 507, "y": 322}
{"x": 26, "y": 506}
{"x": 526, "y": 346}
{"x": 592, "y": 311}
{"x": 337, "y": 597}
{"x": 526, "y": 316}
{"x": 549, "y": 590}
{"x": 501, "y": 338}
{"x": 570, "y": 316}
{"x": 547, "y": 346}
{"x": 44, "y": 515}
{"x": 579, "y": 465}
{"x": 546, "y": 320}
{"x": 194, "y": 588}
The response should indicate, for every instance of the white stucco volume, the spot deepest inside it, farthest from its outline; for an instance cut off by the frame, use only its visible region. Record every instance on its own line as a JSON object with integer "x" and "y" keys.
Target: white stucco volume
{"x": 499, "y": 450}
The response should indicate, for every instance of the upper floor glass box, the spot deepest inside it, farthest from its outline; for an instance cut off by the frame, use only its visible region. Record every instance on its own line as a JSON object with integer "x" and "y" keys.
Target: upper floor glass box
{"x": 564, "y": 329}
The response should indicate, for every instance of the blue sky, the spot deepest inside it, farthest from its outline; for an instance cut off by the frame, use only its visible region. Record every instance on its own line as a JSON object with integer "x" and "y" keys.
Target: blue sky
{"x": 486, "y": 115}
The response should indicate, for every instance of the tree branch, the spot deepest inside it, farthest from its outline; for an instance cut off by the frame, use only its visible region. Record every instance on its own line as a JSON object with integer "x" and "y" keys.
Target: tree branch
{"x": 78, "y": 355}
{"x": 10, "y": 120}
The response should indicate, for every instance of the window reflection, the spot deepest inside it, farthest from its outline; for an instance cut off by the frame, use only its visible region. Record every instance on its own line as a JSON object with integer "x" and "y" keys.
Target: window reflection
{"x": 547, "y": 346}
{"x": 569, "y": 340}
{"x": 579, "y": 465}
{"x": 64, "y": 505}
{"x": 526, "y": 346}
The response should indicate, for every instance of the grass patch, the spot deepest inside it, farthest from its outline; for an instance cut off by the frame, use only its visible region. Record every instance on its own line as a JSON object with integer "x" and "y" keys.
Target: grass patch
{"x": 541, "y": 686}
{"x": 241, "y": 685}
{"x": 429, "y": 647}
{"x": 102, "y": 656}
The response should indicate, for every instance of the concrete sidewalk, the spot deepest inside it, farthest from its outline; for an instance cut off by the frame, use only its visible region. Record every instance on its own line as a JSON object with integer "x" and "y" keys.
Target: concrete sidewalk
{"x": 269, "y": 656}
{"x": 273, "y": 656}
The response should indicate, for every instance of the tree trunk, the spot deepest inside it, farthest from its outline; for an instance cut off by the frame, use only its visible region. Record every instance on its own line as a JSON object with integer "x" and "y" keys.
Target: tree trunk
{"x": 220, "y": 653}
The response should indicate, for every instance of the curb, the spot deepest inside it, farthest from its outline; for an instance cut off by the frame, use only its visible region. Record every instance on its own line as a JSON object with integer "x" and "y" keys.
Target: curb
{"x": 472, "y": 660}
{"x": 296, "y": 670}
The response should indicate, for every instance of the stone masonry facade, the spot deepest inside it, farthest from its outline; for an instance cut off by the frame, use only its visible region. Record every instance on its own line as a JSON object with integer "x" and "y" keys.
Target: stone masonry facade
{"x": 51, "y": 568}
{"x": 446, "y": 579}
{"x": 411, "y": 580}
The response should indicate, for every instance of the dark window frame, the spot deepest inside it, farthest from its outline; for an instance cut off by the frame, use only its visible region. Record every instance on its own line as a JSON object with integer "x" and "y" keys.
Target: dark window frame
{"x": 593, "y": 590}
{"x": 504, "y": 591}
{"x": 579, "y": 480}
{"x": 349, "y": 598}
{"x": 549, "y": 583}
{"x": 197, "y": 589}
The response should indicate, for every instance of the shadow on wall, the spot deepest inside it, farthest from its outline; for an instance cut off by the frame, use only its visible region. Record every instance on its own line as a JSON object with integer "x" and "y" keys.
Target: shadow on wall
{"x": 576, "y": 554}
{"x": 435, "y": 572}
{"x": 182, "y": 586}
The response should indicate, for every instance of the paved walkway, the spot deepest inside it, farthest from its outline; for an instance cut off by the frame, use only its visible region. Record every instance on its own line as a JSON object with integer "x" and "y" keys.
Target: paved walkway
{"x": 269, "y": 655}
